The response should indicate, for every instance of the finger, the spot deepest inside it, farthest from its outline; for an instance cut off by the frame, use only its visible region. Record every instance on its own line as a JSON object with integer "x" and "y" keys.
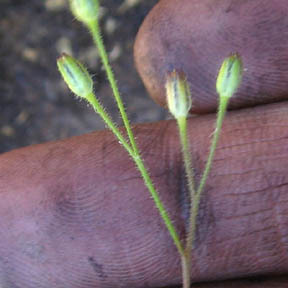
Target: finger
{"x": 75, "y": 213}
{"x": 277, "y": 282}
{"x": 196, "y": 36}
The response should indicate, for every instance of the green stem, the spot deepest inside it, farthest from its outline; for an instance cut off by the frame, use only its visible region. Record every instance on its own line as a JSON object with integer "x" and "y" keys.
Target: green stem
{"x": 182, "y": 125}
{"x": 133, "y": 149}
{"x": 159, "y": 205}
{"x": 220, "y": 117}
{"x": 106, "y": 118}
{"x": 196, "y": 201}
{"x": 186, "y": 265}
{"x": 140, "y": 165}
{"x": 96, "y": 34}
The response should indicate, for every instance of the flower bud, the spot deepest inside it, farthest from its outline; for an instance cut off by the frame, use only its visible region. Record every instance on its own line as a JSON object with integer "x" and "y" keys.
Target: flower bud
{"x": 229, "y": 76}
{"x": 85, "y": 11}
{"x": 178, "y": 94}
{"x": 75, "y": 75}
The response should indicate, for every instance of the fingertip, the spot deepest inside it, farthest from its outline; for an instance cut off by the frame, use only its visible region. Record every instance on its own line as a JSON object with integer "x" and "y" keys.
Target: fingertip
{"x": 196, "y": 37}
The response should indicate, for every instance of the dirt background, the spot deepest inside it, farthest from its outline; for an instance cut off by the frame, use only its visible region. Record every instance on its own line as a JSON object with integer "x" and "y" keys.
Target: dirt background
{"x": 35, "y": 105}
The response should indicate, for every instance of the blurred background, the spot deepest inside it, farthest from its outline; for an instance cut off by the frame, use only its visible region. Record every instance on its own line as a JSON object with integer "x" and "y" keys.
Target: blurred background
{"x": 35, "y": 105}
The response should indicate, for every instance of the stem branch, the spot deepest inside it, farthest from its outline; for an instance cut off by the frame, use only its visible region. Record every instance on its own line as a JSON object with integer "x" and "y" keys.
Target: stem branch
{"x": 96, "y": 34}
{"x": 144, "y": 173}
{"x": 196, "y": 201}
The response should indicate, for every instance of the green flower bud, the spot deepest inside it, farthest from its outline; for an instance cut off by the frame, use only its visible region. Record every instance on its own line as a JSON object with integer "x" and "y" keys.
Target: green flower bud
{"x": 178, "y": 94}
{"x": 85, "y": 11}
{"x": 75, "y": 75}
{"x": 229, "y": 76}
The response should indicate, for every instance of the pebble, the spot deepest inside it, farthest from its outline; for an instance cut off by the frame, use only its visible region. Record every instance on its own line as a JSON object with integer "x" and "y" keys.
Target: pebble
{"x": 7, "y": 131}
{"x": 55, "y": 5}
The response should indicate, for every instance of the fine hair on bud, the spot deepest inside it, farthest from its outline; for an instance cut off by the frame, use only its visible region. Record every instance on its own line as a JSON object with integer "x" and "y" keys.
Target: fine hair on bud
{"x": 229, "y": 76}
{"x": 75, "y": 75}
{"x": 178, "y": 94}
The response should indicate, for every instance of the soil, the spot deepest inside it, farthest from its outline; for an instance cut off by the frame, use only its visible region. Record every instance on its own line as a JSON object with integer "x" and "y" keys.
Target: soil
{"x": 35, "y": 104}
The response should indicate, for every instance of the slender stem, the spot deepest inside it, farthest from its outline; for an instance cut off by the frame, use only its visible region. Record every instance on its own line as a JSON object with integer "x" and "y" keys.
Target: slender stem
{"x": 95, "y": 30}
{"x": 192, "y": 225}
{"x": 220, "y": 117}
{"x": 159, "y": 205}
{"x": 182, "y": 125}
{"x": 196, "y": 201}
{"x": 186, "y": 265}
{"x": 133, "y": 149}
{"x": 144, "y": 173}
{"x": 96, "y": 34}
{"x": 106, "y": 118}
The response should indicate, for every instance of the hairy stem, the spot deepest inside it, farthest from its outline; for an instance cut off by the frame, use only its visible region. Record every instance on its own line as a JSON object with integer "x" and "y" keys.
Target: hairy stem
{"x": 220, "y": 117}
{"x": 159, "y": 205}
{"x": 107, "y": 119}
{"x": 93, "y": 26}
{"x": 144, "y": 173}
{"x": 196, "y": 201}
{"x": 182, "y": 125}
{"x": 186, "y": 265}
{"x": 96, "y": 34}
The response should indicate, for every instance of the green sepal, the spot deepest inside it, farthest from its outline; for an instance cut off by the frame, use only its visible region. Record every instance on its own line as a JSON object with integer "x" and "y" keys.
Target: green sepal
{"x": 178, "y": 94}
{"x": 85, "y": 11}
{"x": 229, "y": 76}
{"x": 75, "y": 75}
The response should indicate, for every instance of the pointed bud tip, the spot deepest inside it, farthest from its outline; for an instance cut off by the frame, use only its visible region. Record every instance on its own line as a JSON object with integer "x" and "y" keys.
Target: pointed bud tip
{"x": 63, "y": 55}
{"x": 176, "y": 75}
{"x": 229, "y": 76}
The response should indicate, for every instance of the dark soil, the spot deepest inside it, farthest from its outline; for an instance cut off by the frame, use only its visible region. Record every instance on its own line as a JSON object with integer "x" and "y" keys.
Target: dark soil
{"x": 35, "y": 104}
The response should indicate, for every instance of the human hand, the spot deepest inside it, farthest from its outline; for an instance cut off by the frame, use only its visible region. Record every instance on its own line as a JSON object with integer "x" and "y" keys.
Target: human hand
{"x": 75, "y": 213}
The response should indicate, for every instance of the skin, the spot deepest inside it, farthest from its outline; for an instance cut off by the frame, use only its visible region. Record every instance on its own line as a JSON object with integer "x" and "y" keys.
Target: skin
{"x": 196, "y": 36}
{"x": 75, "y": 213}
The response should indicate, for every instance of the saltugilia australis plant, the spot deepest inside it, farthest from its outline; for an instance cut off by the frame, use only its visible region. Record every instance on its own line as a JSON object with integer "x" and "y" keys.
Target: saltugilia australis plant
{"x": 179, "y": 101}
